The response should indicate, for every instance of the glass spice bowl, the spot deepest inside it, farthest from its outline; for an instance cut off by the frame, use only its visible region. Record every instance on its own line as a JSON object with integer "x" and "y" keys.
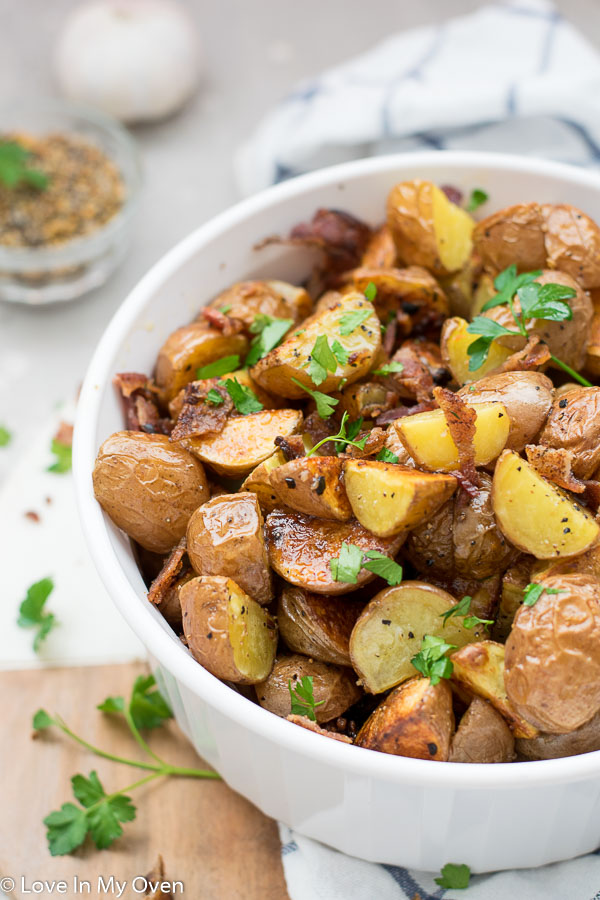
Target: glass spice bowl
{"x": 51, "y": 273}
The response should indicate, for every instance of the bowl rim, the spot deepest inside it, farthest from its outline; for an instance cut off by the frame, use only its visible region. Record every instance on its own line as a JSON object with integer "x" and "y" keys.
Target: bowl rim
{"x": 174, "y": 657}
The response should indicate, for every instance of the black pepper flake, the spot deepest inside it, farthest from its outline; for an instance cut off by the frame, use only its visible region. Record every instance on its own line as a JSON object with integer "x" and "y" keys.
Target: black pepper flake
{"x": 243, "y": 610}
{"x": 566, "y": 530}
{"x": 566, "y": 519}
{"x": 386, "y": 621}
{"x": 562, "y": 403}
{"x": 411, "y": 635}
{"x": 320, "y": 488}
{"x": 209, "y": 636}
{"x": 432, "y": 748}
{"x": 290, "y": 482}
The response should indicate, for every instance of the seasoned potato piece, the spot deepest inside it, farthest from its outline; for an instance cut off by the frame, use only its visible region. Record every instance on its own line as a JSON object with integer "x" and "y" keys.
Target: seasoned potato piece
{"x": 484, "y": 291}
{"x": 480, "y": 669}
{"x": 552, "y": 669}
{"x": 482, "y": 736}
{"x": 592, "y": 359}
{"x": 317, "y": 626}
{"x": 334, "y": 687}
{"x": 189, "y": 348}
{"x": 259, "y": 481}
{"x": 367, "y": 399}
{"x": 277, "y": 299}
{"x": 587, "y": 563}
{"x": 459, "y": 288}
{"x": 246, "y": 441}
{"x": 526, "y": 396}
{"x": 390, "y": 630}
{"x": 242, "y": 376}
{"x": 428, "y": 229}
{"x": 290, "y": 360}
{"x": 415, "y": 720}
{"x": 301, "y": 547}
{"x": 574, "y": 425}
{"x": 413, "y": 287}
{"x": 514, "y": 582}
{"x": 480, "y": 548}
{"x": 430, "y": 546}
{"x": 427, "y": 437}
{"x": 512, "y": 236}
{"x": 313, "y": 486}
{"x": 380, "y": 251}
{"x": 225, "y": 537}
{"x": 229, "y": 633}
{"x": 585, "y": 739}
{"x": 455, "y": 341}
{"x": 148, "y": 487}
{"x": 572, "y": 243}
{"x": 536, "y": 516}
{"x": 389, "y": 499}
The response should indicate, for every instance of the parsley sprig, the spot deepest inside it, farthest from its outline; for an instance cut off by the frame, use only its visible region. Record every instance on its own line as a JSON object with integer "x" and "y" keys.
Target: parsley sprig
{"x": 219, "y": 367}
{"x": 269, "y": 333}
{"x": 461, "y": 609}
{"x": 431, "y": 660}
{"x": 15, "y": 170}
{"x": 5, "y": 436}
{"x": 324, "y": 359}
{"x": 244, "y": 398}
{"x": 477, "y": 199}
{"x": 302, "y": 698}
{"x": 389, "y": 368}
{"x": 454, "y": 877}
{"x": 345, "y": 436}
{"x": 534, "y": 591}
{"x": 64, "y": 457}
{"x": 388, "y": 456}
{"x": 32, "y": 612}
{"x": 99, "y": 814}
{"x": 352, "y": 559}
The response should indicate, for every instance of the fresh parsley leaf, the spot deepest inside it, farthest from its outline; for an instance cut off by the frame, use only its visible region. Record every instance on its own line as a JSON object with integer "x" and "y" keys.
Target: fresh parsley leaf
{"x": 225, "y": 309}
{"x": 66, "y": 829}
{"x": 325, "y": 404}
{"x": 471, "y": 621}
{"x": 507, "y": 283}
{"x": 214, "y": 398}
{"x": 350, "y": 321}
{"x": 340, "y": 353}
{"x": 387, "y": 456}
{"x": 347, "y": 565}
{"x": 244, "y": 398}
{"x": 302, "y": 698}
{"x": 5, "y": 436}
{"x": 347, "y": 434}
{"x": 382, "y": 565}
{"x": 219, "y": 367}
{"x": 477, "y": 199}
{"x": 63, "y": 454}
{"x": 460, "y": 609}
{"x": 14, "y": 169}
{"x": 552, "y": 305}
{"x": 370, "y": 291}
{"x": 389, "y": 368}
{"x": 431, "y": 660}
{"x": 322, "y": 360}
{"x": 534, "y": 591}
{"x": 32, "y": 613}
{"x": 269, "y": 333}
{"x": 112, "y": 705}
{"x": 454, "y": 876}
{"x": 42, "y": 720}
{"x": 104, "y": 819}
{"x": 148, "y": 707}
{"x": 489, "y": 330}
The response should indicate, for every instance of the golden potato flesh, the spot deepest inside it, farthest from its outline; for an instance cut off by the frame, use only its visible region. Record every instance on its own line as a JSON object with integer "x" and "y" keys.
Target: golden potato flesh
{"x": 225, "y": 537}
{"x": 229, "y": 633}
{"x": 275, "y": 371}
{"x": 512, "y": 236}
{"x": 189, "y": 348}
{"x": 574, "y": 425}
{"x": 482, "y": 736}
{"x": 537, "y": 517}
{"x": 455, "y": 342}
{"x": 389, "y": 499}
{"x": 246, "y": 441}
{"x": 572, "y": 243}
{"x": 427, "y": 437}
{"x": 277, "y": 299}
{"x": 313, "y": 486}
{"x": 317, "y": 626}
{"x": 149, "y": 487}
{"x": 391, "y": 628}
{"x": 259, "y": 481}
{"x": 552, "y": 667}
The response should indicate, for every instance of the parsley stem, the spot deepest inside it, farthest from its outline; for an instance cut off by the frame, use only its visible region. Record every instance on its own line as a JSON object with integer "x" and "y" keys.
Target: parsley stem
{"x": 104, "y": 753}
{"x": 191, "y": 773}
{"x": 571, "y": 372}
{"x": 138, "y": 738}
{"x": 337, "y": 440}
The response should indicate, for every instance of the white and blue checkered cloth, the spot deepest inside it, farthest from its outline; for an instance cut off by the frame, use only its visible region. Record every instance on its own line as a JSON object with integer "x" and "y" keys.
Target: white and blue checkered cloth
{"x": 515, "y": 78}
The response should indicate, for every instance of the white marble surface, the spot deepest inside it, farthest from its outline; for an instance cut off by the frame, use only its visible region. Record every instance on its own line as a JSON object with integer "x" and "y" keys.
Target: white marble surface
{"x": 255, "y": 51}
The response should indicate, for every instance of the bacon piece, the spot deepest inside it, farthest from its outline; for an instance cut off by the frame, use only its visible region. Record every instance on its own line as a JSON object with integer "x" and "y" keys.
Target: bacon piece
{"x": 199, "y": 417}
{"x": 534, "y": 355}
{"x": 454, "y": 194}
{"x": 389, "y": 338}
{"x": 219, "y": 320}
{"x": 402, "y": 411}
{"x": 292, "y": 447}
{"x": 164, "y": 590}
{"x": 374, "y": 443}
{"x": 556, "y": 465}
{"x": 460, "y": 419}
{"x": 305, "y": 722}
{"x": 64, "y": 434}
{"x": 140, "y": 404}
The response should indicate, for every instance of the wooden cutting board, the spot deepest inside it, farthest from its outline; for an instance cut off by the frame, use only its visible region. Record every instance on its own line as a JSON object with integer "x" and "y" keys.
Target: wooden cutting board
{"x": 215, "y": 842}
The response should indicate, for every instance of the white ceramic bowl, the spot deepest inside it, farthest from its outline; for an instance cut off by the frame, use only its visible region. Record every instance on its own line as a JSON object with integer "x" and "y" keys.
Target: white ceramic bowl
{"x": 384, "y": 808}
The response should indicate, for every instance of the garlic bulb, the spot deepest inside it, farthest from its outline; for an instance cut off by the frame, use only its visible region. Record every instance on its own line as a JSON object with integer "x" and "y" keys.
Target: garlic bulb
{"x": 136, "y": 59}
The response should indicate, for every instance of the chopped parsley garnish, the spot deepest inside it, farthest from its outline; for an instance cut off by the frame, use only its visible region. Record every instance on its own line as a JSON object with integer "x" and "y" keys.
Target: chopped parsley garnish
{"x": 219, "y": 367}
{"x": 389, "y": 368}
{"x": 387, "y": 456}
{"x": 214, "y": 398}
{"x": 477, "y": 199}
{"x": 352, "y": 559}
{"x": 63, "y": 454}
{"x": 32, "y": 612}
{"x": 5, "y": 436}
{"x": 322, "y": 360}
{"x": 454, "y": 877}
{"x": 302, "y": 698}
{"x": 269, "y": 334}
{"x": 370, "y": 291}
{"x": 461, "y": 609}
{"x": 345, "y": 436}
{"x": 350, "y": 321}
{"x": 244, "y": 398}
{"x": 534, "y": 591}
{"x": 14, "y": 169}
{"x": 431, "y": 660}
{"x": 325, "y": 404}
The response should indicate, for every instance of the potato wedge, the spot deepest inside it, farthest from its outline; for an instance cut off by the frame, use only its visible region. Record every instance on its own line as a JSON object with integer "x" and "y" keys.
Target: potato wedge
{"x": 225, "y": 537}
{"x": 587, "y": 563}
{"x": 391, "y": 628}
{"x": 454, "y": 343}
{"x": 482, "y": 736}
{"x": 189, "y": 348}
{"x": 574, "y": 425}
{"x": 301, "y": 548}
{"x": 313, "y": 486}
{"x": 317, "y": 626}
{"x": 592, "y": 359}
{"x": 388, "y": 499}
{"x": 430, "y": 546}
{"x": 367, "y": 400}
{"x": 536, "y": 516}
{"x": 400, "y": 288}
{"x": 479, "y": 668}
{"x": 291, "y": 359}
{"x": 514, "y": 581}
{"x": 380, "y": 251}
{"x": 242, "y": 376}
{"x": 428, "y": 229}
{"x": 585, "y": 739}
{"x": 572, "y": 243}
{"x": 245, "y": 442}
{"x": 512, "y": 236}
{"x": 427, "y": 438}
{"x": 259, "y": 481}
{"x": 416, "y": 720}
{"x": 227, "y": 632}
{"x": 277, "y": 299}
{"x": 334, "y": 687}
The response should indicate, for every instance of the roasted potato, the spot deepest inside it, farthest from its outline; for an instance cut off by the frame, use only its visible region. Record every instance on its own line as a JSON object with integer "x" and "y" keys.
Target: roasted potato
{"x": 585, "y": 739}
{"x": 456, "y": 340}
{"x": 415, "y": 720}
{"x": 482, "y": 736}
{"x": 587, "y": 563}
{"x": 459, "y": 288}
{"x": 514, "y": 581}
{"x": 227, "y": 631}
{"x": 552, "y": 668}
{"x": 149, "y": 487}
{"x": 536, "y": 516}
{"x": 334, "y": 687}
{"x": 430, "y": 546}
{"x": 275, "y": 371}
{"x": 572, "y": 242}
{"x": 512, "y": 236}
{"x": 391, "y": 628}
{"x": 225, "y": 537}
{"x": 526, "y": 396}
{"x": 405, "y": 289}
{"x": 480, "y": 548}
{"x": 245, "y": 442}
{"x": 479, "y": 669}
{"x": 380, "y": 250}
{"x": 248, "y": 299}
{"x": 366, "y": 400}
{"x": 317, "y": 626}
{"x": 313, "y": 485}
{"x": 259, "y": 481}
{"x": 592, "y": 359}
{"x": 189, "y": 348}
{"x": 428, "y": 229}
{"x": 388, "y": 499}
{"x": 301, "y": 548}
{"x": 574, "y": 425}
{"x": 427, "y": 437}
{"x": 242, "y": 376}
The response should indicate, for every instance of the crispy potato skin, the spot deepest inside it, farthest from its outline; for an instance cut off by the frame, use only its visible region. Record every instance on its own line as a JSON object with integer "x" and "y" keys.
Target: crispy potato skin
{"x": 148, "y": 487}
{"x": 225, "y": 537}
{"x": 380, "y": 251}
{"x": 482, "y": 736}
{"x": 574, "y": 424}
{"x": 552, "y": 669}
{"x": 415, "y": 720}
{"x": 248, "y": 299}
{"x": 526, "y": 396}
{"x": 300, "y": 548}
{"x": 413, "y": 285}
{"x": 317, "y": 626}
{"x": 480, "y": 548}
{"x": 514, "y": 235}
{"x": 585, "y": 739}
{"x": 514, "y": 581}
{"x": 430, "y": 546}
{"x": 334, "y": 685}
{"x": 313, "y": 486}
{"x": 189, "y": 348}
{"x": 572, "y": 243}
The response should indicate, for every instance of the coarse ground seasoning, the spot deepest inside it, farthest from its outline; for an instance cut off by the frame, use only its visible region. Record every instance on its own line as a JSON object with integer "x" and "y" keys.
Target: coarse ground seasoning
{"x": 85, "y": 190}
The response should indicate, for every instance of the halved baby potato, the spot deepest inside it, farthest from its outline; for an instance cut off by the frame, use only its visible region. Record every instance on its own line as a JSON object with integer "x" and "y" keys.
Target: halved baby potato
{"x": 227, "y": 631}
{"x": 482, "y": 736}
{"x": 242, "y": 376}
{"x": 389, "y": 499}
{"x": 536, "y": 516}
{"x": 313, "y": 485}
{"x": 454, "y": 343}
{"x": 391, "y": 628}
{"x": 259, "y": 481}
{"x": 413, "y": 285}
{"x": 512, "y": 236}
{"x": 317, "y": 626}
{"x": 427, "y": 437}
{"x": 277, "y": 299}
{"x": 334, "y": 687}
